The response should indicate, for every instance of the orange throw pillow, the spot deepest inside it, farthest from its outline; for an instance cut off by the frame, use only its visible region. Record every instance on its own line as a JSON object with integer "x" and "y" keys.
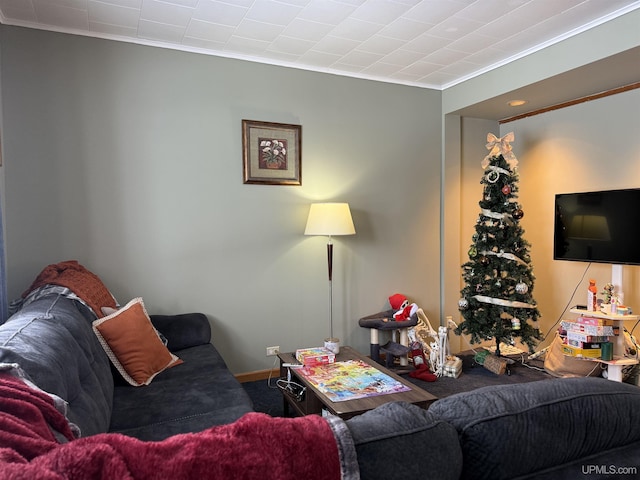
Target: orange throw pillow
{"x": 132, "y": 344}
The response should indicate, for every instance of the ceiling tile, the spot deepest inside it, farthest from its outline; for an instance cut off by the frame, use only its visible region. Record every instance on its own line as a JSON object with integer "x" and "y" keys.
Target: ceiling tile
{"x": 291, "y": 46}
{"x": 209, "y": 31}
{"x": 220, "y": 13}
{"x": 62, "y": 16}
{"x": 335, "y": 45}
{"x": 26, "y": 15}
{"x": 380, "y": 11}
{"x": 202, "y": 44}
{"x": 436, "y": 79}
{"x": 402, "y": 57}
{"x": 380, "y": 68}
{"x": 160, "y": 12}
{"x": 404, "y": 29}
{"x": 306, "y": 30}
{"x": 326, "y": 11}
{"x": 258, "y": 30}
{"x": 100, "y": 12}
{"x": 183, "y": 3}
{"x": 487, "y": 11}
{"x": 160, "y": 31}
{"x": 360, "y": 59}
{"x": 472, "y": 42}
{"x": 353, "y": 29}
{"x": 434, "y": 11}
{"x": 276, "y": 14}
{"x": 380, "y": 44}
{"x": 454, "y": 27}
{"x": 137, "y": 4}
{"x": 319, "y": 59}
{"x": 113, "y": 30}
{"x": 247, "y": 46}
{"x": 426, "y": 44}
{"x": 445, "y": 56}
{"x": 421, "y": 68}
{"x": 78, "y": 4}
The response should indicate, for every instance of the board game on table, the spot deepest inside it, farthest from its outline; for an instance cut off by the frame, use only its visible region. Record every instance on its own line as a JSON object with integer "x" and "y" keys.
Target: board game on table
{"x": 356, "y": 385}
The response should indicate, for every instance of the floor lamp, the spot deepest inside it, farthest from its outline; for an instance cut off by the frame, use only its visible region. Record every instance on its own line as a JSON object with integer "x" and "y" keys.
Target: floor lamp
{"x": 330, "y": 219}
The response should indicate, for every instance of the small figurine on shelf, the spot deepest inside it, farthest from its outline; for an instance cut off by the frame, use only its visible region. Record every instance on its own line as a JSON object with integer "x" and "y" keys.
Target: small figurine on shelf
{"x": 608, "y": 292}
{"x": 609, "y": 303}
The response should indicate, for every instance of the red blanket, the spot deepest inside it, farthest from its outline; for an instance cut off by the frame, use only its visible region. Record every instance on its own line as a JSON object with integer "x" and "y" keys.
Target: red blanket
{"x": 255, "y": 447}
{"x": 28, "y": 419}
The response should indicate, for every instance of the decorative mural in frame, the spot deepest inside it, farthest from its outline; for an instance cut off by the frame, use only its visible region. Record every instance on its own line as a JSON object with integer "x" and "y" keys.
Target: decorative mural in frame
{"x": 271, "y": 153}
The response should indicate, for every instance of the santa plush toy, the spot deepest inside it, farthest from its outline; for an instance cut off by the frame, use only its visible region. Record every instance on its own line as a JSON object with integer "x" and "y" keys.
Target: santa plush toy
{"x": 403, "y": 309}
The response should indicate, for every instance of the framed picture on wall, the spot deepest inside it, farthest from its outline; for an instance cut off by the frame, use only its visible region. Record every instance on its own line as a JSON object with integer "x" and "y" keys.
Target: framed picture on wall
{"x": 271, "y": 153}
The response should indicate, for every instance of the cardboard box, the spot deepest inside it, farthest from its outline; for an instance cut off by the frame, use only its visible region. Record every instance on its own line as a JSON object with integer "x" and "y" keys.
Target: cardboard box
{"x": 597, "y": 322}
{"x": 581, "y": 352}
{"x": 583, "y": 337}
{"x": 315, "y": 356}
{"x": 599, "y": 331}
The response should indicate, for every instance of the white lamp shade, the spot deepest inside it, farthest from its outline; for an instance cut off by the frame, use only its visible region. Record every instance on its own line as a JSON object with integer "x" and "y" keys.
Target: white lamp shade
{"x": 329, "y": 219}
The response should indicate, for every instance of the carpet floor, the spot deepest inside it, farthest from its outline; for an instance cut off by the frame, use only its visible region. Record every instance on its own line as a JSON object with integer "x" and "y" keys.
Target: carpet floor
{"x": 267, "y": 398}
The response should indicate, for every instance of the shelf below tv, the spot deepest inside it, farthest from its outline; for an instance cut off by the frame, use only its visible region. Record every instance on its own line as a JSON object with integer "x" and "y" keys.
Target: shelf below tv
{"x": 615, "y": 366}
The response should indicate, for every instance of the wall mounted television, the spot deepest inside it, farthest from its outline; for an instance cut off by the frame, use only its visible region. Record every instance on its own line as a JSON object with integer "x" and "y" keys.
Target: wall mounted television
{"x": 602, "y": 227}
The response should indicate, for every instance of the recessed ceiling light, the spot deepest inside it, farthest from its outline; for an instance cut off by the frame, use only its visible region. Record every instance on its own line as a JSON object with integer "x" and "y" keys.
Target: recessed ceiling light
{"x": 516, "y": 103}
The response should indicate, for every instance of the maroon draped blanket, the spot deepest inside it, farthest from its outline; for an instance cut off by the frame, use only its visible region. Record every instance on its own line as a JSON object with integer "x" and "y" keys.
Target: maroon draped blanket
{"x": 85, "y": 284}
{"x": 255, "y": 447}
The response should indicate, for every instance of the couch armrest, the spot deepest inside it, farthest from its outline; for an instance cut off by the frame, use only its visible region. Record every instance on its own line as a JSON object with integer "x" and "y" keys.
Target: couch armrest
{"x": 555, "y": 422}
{"x": 184, "y": 330}
{"x": 400, "y": 440}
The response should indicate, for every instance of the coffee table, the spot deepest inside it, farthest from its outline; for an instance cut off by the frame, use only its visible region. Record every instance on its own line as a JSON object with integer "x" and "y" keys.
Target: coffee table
{"x": 314, "y": 401}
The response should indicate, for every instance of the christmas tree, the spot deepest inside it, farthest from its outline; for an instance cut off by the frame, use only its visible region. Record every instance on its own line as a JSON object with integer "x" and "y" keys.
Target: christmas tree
{"x": 497, "y": 299}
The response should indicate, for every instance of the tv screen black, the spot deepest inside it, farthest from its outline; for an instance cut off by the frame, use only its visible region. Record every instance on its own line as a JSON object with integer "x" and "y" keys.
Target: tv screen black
{"x": 599, "y": 227}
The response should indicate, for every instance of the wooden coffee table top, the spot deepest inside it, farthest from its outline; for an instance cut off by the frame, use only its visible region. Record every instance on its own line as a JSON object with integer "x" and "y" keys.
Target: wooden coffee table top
{"x": 349, "y": 408}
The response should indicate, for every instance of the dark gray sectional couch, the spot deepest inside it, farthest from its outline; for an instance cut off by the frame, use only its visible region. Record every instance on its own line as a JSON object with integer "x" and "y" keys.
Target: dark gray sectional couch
{"x": 51, "y": 339}
{"x": 550, "y": 429}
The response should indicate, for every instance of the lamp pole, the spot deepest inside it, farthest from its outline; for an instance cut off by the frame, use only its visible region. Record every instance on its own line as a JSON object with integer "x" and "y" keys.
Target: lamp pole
{"x": 330, "y": 266}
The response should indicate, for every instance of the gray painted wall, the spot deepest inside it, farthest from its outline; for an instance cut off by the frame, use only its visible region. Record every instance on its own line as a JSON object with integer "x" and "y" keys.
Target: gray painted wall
{"x": 128, "y": 159}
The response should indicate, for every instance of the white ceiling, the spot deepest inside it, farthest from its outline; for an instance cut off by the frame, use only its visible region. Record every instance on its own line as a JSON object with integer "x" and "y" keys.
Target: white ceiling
{"x": 426, "y": 43}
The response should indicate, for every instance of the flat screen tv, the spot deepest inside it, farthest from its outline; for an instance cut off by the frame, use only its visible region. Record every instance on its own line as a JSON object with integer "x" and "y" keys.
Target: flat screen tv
{"x": 601, "y": 227}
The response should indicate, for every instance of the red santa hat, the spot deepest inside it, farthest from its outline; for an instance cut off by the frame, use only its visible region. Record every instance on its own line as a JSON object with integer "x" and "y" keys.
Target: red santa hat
{"x": 398, "y": 301}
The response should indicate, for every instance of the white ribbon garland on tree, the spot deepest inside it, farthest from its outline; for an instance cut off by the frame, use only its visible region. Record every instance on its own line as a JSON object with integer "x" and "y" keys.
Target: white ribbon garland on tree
{"x": 502, "y": 302}
{"x": 496, "y": 215}
{"x": 503, "y": 254}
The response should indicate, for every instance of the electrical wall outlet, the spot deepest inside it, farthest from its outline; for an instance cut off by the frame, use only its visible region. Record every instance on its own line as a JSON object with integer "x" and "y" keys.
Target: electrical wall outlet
{"x": 271, "y": 351}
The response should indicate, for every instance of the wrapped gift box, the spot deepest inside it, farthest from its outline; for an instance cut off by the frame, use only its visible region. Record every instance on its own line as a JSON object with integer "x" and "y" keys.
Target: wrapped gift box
{"x": 452, "y": 367}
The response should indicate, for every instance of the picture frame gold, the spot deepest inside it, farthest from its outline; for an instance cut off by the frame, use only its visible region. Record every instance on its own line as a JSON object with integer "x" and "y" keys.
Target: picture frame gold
{"x": 271, "y": 153}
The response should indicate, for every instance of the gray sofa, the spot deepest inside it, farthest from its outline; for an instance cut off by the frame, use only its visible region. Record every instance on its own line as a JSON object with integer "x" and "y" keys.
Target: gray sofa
{"x": 550, "y": 429}
{"x": 52, "y": 341}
